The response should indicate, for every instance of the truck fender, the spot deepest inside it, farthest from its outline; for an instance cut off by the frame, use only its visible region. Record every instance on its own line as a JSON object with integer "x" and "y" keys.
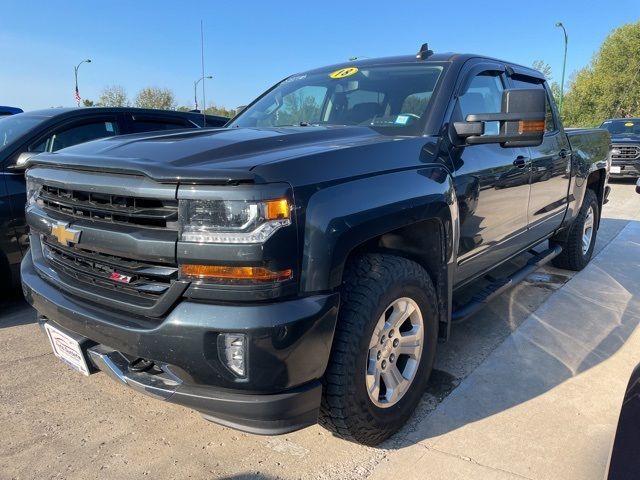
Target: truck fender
{"x": 344, "y": 216}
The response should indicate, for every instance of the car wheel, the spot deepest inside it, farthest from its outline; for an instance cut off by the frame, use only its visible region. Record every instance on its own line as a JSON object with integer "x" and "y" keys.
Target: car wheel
{"x": 581, "y": 240}
{"x": 383, "y": 349}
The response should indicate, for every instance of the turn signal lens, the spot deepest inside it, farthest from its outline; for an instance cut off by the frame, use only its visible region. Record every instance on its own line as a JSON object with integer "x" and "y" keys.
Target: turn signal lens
{"x": 277, "y": 209}
{"x": 216, "y": 272}
{"x": 531, "y": 126}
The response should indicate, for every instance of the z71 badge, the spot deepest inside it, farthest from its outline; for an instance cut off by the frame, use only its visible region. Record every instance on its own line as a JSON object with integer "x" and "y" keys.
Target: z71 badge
{"x": 118, "y": 277}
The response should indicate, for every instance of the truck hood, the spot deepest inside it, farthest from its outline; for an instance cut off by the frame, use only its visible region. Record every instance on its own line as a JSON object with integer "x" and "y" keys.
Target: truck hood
{"x": 225, "y": 155}
{"x": 625, "y": 138}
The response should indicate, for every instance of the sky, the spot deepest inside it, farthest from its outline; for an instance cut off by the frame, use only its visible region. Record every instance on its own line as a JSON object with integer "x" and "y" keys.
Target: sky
{"x": 250, "y": 45}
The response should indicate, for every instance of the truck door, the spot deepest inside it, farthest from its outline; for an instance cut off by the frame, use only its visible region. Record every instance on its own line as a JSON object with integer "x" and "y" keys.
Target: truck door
{"x": 550, "y": 169}
{"x": 491, "y": 182}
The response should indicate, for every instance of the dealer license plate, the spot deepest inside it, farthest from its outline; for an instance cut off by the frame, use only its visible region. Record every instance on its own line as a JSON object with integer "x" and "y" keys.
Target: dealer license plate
{"x": 67, "y": 349}
{"x": 615, "y": 170}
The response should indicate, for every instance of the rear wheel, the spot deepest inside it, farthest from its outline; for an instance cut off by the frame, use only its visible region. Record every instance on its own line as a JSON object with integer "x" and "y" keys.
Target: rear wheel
{"x": 383, "y": 349}
{"x": 581, "y": 240}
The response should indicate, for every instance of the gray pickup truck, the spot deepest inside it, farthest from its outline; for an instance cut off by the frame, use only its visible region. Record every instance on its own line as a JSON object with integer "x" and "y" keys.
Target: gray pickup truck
{"x": 301, "y": 264}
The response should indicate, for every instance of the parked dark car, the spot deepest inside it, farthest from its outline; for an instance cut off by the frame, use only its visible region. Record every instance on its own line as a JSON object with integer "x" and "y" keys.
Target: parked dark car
{"x": 624, "y": 463}
{"x": 625, "y": 153}
{"x": 4, "y": 110}
{"x": 301, "y": 264}
{"x": 27, "y": 134}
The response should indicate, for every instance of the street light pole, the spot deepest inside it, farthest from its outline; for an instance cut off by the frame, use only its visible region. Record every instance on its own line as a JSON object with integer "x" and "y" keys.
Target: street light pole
{"x": 195, "y": 89}
{"x": 564, "y": 64}
{"x": 75, "y": 70}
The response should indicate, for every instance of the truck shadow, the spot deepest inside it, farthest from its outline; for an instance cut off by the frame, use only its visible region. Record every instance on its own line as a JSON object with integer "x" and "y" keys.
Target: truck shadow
{"x": 14, "y": 309}
{"x": 581, "y": 325}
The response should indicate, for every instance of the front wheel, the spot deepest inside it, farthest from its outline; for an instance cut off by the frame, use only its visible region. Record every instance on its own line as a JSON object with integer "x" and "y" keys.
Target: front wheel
{"x": 383, "y": 350}
{"x": 581, "y": 240}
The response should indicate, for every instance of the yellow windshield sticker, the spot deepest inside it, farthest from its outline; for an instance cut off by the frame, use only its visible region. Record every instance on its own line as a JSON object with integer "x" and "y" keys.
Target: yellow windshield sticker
{"x": 628, "y": 124}
{"x": 344, "y": 72}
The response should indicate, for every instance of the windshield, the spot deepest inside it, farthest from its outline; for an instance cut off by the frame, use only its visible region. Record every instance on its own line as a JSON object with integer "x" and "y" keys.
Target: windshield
{"x": 392, "y": 99}
{"x": 622, "y": 127}
{"x": 14, "y": 126}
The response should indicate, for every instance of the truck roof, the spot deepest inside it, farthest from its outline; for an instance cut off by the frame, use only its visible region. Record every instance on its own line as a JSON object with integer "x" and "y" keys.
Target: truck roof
{"x": 449, "y": 57}
{"x": 73, "y": 111}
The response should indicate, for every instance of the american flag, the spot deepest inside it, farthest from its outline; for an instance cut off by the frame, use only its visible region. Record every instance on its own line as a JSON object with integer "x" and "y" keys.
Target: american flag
{"x": 78, "y": 95}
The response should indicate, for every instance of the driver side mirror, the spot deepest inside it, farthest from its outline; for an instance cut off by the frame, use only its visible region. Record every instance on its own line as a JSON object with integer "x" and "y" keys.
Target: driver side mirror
{"x": 21, "y": 161}
{"x": 521, "y": 121}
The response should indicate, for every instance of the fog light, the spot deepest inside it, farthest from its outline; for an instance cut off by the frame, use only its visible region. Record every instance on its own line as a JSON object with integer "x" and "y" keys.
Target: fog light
{"x": 232, "y": 348}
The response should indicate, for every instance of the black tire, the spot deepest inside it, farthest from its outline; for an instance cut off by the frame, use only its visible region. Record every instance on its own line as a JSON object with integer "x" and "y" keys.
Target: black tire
{"x": 372, "y": 282}
{"x": 573, "y": 257}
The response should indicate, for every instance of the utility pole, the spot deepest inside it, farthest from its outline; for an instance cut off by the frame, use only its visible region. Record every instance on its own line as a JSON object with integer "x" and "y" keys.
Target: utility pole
{"x": 195, "y": 88}
{"x": 204, "y": 100}
{"x": 564, "y": 64}
{"x": 75, "y": 70}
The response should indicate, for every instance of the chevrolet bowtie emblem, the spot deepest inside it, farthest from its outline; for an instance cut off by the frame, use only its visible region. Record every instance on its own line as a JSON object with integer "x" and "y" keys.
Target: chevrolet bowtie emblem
{"x": 64, "y": 234}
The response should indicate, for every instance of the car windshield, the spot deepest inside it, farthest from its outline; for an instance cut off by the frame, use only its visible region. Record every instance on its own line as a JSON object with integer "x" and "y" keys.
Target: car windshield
{"x": 393, "y": 99}
{"x": 622, "y": 127}
{"x": 14, "y": 126}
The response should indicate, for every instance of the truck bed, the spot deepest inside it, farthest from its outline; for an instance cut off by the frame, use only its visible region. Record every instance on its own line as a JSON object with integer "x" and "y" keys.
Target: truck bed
{"x": 590, "y": 143}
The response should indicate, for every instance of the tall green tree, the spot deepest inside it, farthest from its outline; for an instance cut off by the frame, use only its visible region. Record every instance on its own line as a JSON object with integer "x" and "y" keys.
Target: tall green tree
{"x": 610, "y": 85}
{"x": 222, "y": 111}
{"x": 113, "y": 96}
{"x": 544, "y": 68}
{"x": 155, "y": 97}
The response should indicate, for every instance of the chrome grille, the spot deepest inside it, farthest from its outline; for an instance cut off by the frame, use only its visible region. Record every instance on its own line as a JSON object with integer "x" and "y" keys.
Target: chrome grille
{"x": 105, "y": 207}
{"x": 625, "y": 153}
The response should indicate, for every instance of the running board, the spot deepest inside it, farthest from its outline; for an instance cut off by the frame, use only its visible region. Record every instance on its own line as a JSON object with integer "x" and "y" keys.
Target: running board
{"x": 499, "y": 286}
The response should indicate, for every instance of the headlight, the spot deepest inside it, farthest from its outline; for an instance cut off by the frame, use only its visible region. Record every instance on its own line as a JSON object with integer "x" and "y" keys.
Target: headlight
{"x": 232, "y": 221}
{"x": 33, "y": 188}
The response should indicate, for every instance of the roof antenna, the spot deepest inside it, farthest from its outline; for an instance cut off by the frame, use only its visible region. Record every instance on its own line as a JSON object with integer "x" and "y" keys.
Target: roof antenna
{"x": 424, "y": 52}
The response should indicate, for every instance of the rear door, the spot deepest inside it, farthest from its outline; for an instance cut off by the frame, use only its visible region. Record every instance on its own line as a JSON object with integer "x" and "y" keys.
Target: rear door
{"x": 550, "y": 168}
{"x": 491, "y": 182}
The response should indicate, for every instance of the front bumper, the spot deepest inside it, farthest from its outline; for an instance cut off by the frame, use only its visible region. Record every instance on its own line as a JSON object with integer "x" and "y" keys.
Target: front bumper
{"x": 627, "y": 170}
{"x": 288, "y": 350}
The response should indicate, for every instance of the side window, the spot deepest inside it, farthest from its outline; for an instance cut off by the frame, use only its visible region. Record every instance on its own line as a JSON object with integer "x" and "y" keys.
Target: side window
{"x": 67, "y": 137}
{"x": 526, "y": 82}
{"x": 303, "y": 105}
{"x": 484, "y": 95}
{"x": 142, "y": 125}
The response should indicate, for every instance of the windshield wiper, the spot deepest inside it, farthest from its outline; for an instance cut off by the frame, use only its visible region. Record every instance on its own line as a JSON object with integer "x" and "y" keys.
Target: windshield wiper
{"x": 299, "y": 124}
